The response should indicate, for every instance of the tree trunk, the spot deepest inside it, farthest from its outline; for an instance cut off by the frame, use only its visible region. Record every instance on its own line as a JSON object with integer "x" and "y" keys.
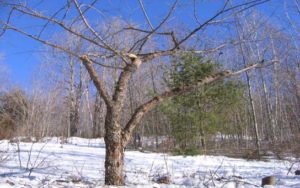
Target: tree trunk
{"x": 276, "y": 88}
{"x": 114, "y": 162}
{"x": 249, "y": 88}
{"x": 74, "y": 113}
{"x": 97, "y": 130}
{"x": 203, "y": 143}
{"x": 254, "y": 118}
{"x": 74, "y": 119}
{"x": 271, "y": 120}
{"x": 114, "y": 158}
{"x": 74, "y": 97}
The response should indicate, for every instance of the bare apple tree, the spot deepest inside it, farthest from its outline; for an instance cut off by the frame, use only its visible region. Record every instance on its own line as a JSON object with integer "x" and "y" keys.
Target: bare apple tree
{"x": 156, "y": 39}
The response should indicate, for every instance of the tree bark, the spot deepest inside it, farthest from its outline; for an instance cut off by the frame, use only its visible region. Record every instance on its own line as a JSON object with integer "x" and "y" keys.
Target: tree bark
{"x": 114, "y": 158}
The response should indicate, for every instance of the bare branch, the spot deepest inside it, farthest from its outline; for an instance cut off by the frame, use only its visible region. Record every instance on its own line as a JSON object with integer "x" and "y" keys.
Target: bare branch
{"x": 102, "y": 64}
{"x": 156, "y": 54}
{"x": 145, "y": 14}
{"x": 291, "y": 22}
{"x": 59, "y": 23}
{"x": 124, "y": 78}
{"x": 146, "y": 31}
{"x": 144, "y": 40}
{"x": 41, "y": 40}
{"x": 97, "y": 82}
{"x": 52, "y": 17}
{"x": 219, "y": 13}
{"x": 86, "y": 23}
{"x": 153, "y": 55}
{"x": 7, "y": 22}
{"x": 195, "y": 12}
{"x": 146, "y": 107}
{"x": 91, "y": 5}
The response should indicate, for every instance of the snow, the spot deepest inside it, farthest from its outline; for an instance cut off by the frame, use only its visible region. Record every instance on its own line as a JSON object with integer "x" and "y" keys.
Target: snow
{"x": 79, "y": 162}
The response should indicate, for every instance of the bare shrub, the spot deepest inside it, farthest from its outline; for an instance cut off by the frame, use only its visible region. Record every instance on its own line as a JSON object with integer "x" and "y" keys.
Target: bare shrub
{"x": 6, "y": 126}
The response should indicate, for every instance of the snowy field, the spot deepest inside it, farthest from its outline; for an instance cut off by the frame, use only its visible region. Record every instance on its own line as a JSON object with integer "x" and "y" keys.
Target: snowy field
{"x": 80, "y": 163}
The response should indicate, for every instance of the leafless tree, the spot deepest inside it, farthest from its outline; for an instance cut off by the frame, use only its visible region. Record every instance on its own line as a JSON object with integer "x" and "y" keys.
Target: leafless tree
{"x": 127, "y": 57}
{"x": 270, "y": 96}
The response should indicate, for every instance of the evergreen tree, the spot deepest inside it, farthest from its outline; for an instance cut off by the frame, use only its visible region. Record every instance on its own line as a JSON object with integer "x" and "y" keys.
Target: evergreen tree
{"x": 203, "y": 112}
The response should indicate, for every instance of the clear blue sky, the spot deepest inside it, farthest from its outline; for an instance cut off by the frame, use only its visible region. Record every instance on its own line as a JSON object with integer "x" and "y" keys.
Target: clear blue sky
{"x": 21, "y": 54}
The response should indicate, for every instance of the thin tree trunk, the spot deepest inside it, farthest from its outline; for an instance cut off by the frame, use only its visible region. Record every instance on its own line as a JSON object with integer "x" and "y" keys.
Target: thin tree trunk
{"x": 253, "y": 114}
{"x": 75, "y": 96}
{"x": 97, "y": 132}
{"x": 268, "y": 107}
{"x": 155, "y": 113}
{"x": 202, "y": 134}
{"x": 72, "y": 114}
{"x": 276, "y": 86}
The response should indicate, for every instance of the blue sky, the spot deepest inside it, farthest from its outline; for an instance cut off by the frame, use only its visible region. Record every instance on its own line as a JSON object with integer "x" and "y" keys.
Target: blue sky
{"x": 22, "y": 55}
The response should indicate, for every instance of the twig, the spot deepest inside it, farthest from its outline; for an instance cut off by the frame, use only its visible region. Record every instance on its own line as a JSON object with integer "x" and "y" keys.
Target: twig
{"x": 291, "y": 167}
{"x": 145, "y": 14}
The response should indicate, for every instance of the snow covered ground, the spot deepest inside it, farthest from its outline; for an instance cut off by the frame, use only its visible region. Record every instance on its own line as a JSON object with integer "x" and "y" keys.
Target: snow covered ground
{"x": 80, "y": 163}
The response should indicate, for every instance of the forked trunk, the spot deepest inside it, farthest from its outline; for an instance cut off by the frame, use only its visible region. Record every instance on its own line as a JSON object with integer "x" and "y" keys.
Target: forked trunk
{"x": 114, "y": 158}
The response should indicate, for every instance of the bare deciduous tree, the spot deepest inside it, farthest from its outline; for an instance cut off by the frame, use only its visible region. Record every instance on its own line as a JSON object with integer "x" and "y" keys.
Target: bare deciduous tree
{"x": 127, "y": 57}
